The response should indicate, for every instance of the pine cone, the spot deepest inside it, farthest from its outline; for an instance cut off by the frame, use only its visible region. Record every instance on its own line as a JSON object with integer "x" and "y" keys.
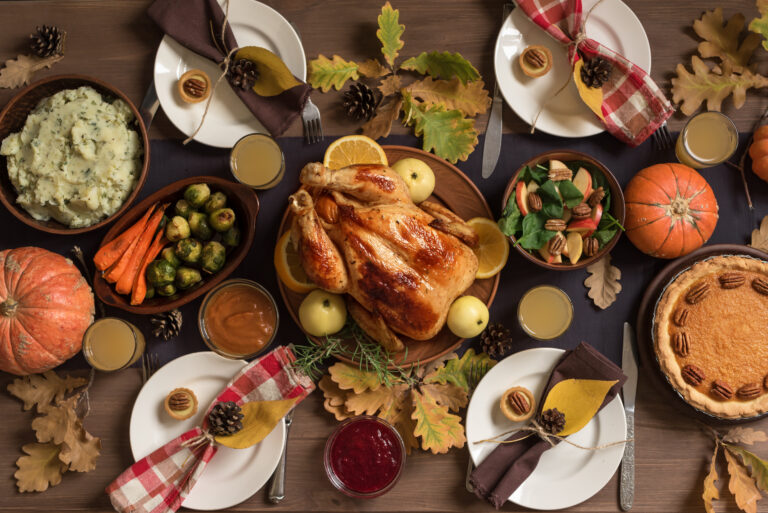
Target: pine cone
{"x": 595, "y": 72}
{"x": 243, "y": 73}
{"x": 47, "y": 41}
{"x": 225, "y": 419}
{"x": 495, "y": 340}
{"x": 552, "y": 421}
{"x": 360, "y": 101}
{"x": 166, "y": 325}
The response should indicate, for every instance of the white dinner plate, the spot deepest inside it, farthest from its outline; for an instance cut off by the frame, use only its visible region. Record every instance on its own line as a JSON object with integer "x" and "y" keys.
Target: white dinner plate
{"x": 612, "y": 23}
{"x": 565, "y": 475}
{"x": 232, "y": 475}
{"x": 228, "y": 119}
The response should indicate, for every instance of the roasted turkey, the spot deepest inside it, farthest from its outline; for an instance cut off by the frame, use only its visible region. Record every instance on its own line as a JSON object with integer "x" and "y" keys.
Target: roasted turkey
{"x": 357, "y": 231}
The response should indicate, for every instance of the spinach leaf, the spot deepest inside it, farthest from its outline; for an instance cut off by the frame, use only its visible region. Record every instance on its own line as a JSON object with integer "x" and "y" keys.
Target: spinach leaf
{"x": 536, "y": 174}
{"x": 511, "y": 221}
{"x": 572, "y": 196}
{"x": 534, "y": 234}
{"x": 552, "y": 204}
{"x": 607, "y": 229}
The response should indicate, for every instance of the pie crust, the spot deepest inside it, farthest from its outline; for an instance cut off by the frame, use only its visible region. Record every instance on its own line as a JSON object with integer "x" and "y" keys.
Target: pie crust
{"x": 710, "y": 335}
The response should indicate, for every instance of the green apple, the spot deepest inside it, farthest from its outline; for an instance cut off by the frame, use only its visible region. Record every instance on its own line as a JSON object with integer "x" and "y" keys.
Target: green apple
{"x": 418, "y": 176}
{"x": 467, "y": 317}
{"x": 322, "y": 313}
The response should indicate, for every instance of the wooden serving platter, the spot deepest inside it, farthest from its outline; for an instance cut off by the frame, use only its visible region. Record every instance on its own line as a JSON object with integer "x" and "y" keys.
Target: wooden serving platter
{"x": 454, "y": 190}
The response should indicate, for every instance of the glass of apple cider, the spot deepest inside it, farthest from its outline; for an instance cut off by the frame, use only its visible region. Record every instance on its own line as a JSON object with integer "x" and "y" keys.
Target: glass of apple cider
{"x": 256, "y": 160}
{"x": 111, "y": 344}
{"x": 708, "y": 139}
{"x": 545, "y": 312}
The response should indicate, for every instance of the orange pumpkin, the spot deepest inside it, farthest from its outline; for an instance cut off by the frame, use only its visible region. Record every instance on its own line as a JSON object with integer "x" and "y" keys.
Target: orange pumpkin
{"x": 671, "y": 210}
{"x": 45, "y": 307}
{"x": 758, "y": 151}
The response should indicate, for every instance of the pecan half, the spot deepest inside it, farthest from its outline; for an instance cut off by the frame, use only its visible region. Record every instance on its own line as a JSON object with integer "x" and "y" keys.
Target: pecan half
{"x": 559, "y": 174}
{"x": 697, "y": 292}
{"x": 596, "y": 197}
{"x": 750, "y": 391}
{"x": 680, "y": 317}
{"x": 581, "y": 211}
{"x": 760, "y": 285}
{"x": 722, "y": 390}
{"x": 555, "y": 225}
{"x": 179, "y": 401}
{"x": 519, "y": 402}
{"x": 682, "y": 343}
{"x": 556, "y": 245}
{"x": 534, "y": 202}
{"x": 591, "y": 246}
{"x": 194, "y": 87}
{"x": 693, "y": 375}
{"x": 731, "y": 280}
{"x": 536, "y": 58}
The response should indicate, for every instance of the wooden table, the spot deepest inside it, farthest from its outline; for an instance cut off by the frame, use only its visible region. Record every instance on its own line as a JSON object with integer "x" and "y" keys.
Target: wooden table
{"x": 114, "y": 40}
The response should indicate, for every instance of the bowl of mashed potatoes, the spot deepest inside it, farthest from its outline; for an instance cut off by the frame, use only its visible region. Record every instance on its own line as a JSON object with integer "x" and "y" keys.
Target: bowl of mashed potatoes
{"x": 74, "y": 154}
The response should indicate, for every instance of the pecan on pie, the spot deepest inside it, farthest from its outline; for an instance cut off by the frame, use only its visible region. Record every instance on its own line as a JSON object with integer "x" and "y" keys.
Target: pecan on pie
{"x": 711, "y": 335}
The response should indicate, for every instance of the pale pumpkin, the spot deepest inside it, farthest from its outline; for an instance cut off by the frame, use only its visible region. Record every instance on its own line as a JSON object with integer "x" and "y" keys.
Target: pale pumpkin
{"x": 758, "y": 152}
{"x": 670, "y": 210}
{"x": 45, "y": 307}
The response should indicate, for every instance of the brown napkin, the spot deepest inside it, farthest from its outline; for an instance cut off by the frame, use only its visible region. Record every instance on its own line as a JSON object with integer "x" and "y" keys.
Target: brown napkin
{"x": 505, "y": 469}
{"x": 189, "y": 23}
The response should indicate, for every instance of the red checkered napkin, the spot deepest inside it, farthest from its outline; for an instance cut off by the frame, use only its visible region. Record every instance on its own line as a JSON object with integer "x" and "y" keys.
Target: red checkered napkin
{"x": 633, "y": 105}
{"x": 161, "y": 481}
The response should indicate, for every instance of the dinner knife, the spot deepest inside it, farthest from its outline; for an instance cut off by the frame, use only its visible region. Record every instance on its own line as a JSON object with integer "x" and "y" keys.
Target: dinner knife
{"x": 629, "y": 366}
{"x": 149, "y": 105}
{"x": 492, "y": 145}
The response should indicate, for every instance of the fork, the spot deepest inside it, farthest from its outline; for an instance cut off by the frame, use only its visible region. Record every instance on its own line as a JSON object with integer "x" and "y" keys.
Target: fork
{"x": 662, "y": 138}
{"x": 149, "y": 364}
{"x": 476, "y": 373}
{"x": 277, "y": 486}
{"x": 313, "y": 127}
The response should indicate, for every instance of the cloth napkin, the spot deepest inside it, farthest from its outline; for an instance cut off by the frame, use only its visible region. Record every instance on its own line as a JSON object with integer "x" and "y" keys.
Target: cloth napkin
{"x": 633, "y": 106}
{"x": 161, "y": 481}
{"x": 189, "y": 23}
{"x": 505, "y": 469}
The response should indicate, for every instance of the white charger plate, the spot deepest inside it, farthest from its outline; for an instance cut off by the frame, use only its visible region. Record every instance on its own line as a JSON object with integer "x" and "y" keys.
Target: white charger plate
{"x": 612, "y": 23}
{"x": 233, "y": 475}
{"x": 576, "y": 474}
{"x": 228, "y": 119}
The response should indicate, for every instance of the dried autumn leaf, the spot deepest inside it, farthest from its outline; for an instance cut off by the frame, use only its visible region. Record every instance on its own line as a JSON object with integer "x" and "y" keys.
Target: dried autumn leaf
{"x": 603, "y": 282}
{"x": 353, "y": 378}
{"x": 390, "y": 85}
{"x": 259, "y": 419}
{"x": 591, "y": 96}
{"x": 447, "y": 133}
{"x": 452, "y": 396}
{"x": 18, "y": 72}
{"x": 741, "y": 485}
{"x": 372, "y": 68}
{"x": 334, "y": 398}
{"x": 439, "y": 430}
{"x": 471, "y": 99}
{"x": 274, "y": 75}
{"x": 325, "y": 73}
{"x": 368, "y": 402}
{"x": 578, "y": 399}
{"x": 445, "y": 65}
{"x": 42, "y": 389}
{"x": 61, "y": 425}
{"x": 745, "y": 435}
{"x": 381, "y": 124}
{"x": 389, "y": 33}
{"x": 760, "y": 236}
{"x": 758, "y": 467}
{"x": 710, "y": 484}
{"x": 398, "y": 412}
{"x": 40, "y": 468}
{"x": 456, "y": 370}
{"x": 55, "y": 424}
{"x": 80, "y": 450}
{"x": 722, "y": 40}
{"x": 760, "y": 25}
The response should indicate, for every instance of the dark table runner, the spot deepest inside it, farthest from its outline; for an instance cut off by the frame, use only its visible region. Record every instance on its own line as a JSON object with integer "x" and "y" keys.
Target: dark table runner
{"x": 171, "y": 161}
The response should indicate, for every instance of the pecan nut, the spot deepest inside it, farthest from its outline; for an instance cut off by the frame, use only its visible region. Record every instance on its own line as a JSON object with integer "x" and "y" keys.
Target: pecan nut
{"x": 536, "y": 58}
{"x": 760, "y": 285}
{"x": 750, "y": 391}
{"x": 519, "y": 402}
{"x": 591, "y": 246}
{"x": 722, "y": 390}
{"x": 698, "y": 292}
{"x": 179, "y": 401}
{"x": 534, "y": 202}
{"x": 693, "y": 375}
{"x": 731, "y": 280}
{"x": 596, "y": 197}
{"x": 194, "y": 87}
{"x": 682, "y": 343}
{"x": 555, "y": 225}
{"x": 559, "y": 174}
{"x": 680, "y": 317}
{"x": 581, "y": 211}
{"x": 556, "y": 245}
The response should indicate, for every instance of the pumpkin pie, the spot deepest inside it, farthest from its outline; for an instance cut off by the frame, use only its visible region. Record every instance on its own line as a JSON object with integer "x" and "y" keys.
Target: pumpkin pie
{"x": 710, "y": 337}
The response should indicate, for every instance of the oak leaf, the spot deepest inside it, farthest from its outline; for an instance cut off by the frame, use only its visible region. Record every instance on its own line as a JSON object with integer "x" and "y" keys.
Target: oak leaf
{"x": 334, "y": 398}
{"x": 55, "y": 424}
{"x": 710, "y": 484}
{"x": 452, "y": 396}
{"x": 741, "y": 485}
{"x": 456, "y": 370}
{"x": 40, "y": 468}
{"x": 389, "y": 33}
{"x": 390, "y": 85}
{"x": 760, "y": 236}
{"x": 447, "y": 133}
{"x": 381, "y": 124}
{"x": 42, "y": 389}
{"x": 325, "y": 73}
{"x": 444, "y": 65}
{"x": 745, "y": 435}
{"x": 353, "y": 378}
{"x": 603, "y": 282}
{"x": 439, "y": 430}
{"x": 758, "y": 467}
{"x": 368, "y": 402}
{"x": 470, "y": 98}
{"x": 18, "y": 72}
{"x": 80, "y": 450}
{"x": 722, "y": 39}
{"x": 372, "y": 68}
{"x": 760, "y": 25}
{"x": 398, "y": 412}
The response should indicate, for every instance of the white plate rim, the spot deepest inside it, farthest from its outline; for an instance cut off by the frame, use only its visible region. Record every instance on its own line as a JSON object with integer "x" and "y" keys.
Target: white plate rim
{"x": 138, "y": 425}
{"x": 612, "y": 417}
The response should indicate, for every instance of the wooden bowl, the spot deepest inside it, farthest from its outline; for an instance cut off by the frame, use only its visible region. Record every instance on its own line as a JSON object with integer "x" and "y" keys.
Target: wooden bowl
{"x": 617, "y": 205}
{"x": 241, "y": 198}
{"x": 12, "y": 119}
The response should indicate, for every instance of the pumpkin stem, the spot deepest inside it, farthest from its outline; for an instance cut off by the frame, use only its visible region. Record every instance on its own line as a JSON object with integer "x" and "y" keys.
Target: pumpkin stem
{"x": 679, "y": 206}
{"x": 8, "y": 307}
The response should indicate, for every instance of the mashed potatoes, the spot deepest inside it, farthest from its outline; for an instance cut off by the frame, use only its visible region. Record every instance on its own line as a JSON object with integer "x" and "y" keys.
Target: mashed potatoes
{"x": 76, "y": 160}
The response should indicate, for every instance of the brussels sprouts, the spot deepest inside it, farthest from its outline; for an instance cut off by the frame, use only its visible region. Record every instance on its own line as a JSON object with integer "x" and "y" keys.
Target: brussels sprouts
{"x": 150, "y": 293}
{"x": 197, "y": 194}
{"x": 177, "y": 229}
{"x": 182, "y": 208}
{"x": 170, "y": 255}
{"x": 167, "y": 290}
{"x": 198, "y": 223}
{"x": 189, "y": 250}
{"x": 231, "y": 237}
{"x": 216, "y": 201}
{"x": 214, "y": 256}
{"x": 160, "y": 272}
{"x": 186, "y": 277}
{"x": 222, "y": 220}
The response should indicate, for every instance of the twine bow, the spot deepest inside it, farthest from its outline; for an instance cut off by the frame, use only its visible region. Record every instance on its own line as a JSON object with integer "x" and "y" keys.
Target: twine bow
{"x": 204, "y": 437}
{"x": 534, "y": 428}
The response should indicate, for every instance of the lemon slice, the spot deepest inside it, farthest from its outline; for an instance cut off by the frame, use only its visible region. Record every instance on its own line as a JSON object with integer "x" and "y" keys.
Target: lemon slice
{"x": 354, "y": 149}
{"x": 288, "y": 266}
{"x": 493, "y": 249}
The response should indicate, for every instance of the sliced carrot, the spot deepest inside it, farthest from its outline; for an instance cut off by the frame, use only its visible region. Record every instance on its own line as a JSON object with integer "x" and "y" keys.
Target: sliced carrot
{"x": 118, "y": 268}
{"x": 111, "y": 252}
{"x": 125, "y": 282}
{"x": 139, "y": 289}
